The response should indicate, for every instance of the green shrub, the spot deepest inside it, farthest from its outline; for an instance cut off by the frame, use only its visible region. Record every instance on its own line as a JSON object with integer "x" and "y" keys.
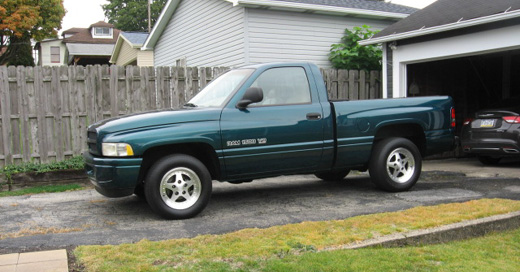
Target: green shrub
{"x": 351, "y": 56}
{"x": 75, "y": 162}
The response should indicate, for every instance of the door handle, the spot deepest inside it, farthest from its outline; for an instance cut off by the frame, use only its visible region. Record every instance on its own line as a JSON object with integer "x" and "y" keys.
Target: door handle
{"x": 313, "y": 116}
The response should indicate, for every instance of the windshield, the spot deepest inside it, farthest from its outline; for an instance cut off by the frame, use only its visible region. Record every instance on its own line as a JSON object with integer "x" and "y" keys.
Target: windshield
{"x": 218, "y": 91}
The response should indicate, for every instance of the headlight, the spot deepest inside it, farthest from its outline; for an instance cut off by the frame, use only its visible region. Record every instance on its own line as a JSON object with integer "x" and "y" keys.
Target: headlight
{"x": 117, "y": 150}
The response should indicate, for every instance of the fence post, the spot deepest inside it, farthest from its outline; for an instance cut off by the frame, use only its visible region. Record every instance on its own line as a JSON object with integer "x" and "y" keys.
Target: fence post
{"x": 74, "y": 104}
{"x": 375, "y": 85}
{"x": 146, "y": 93}
{"x": 353, "y": 91}
{"x": 179, "y": 86}
{"x": 5, "y": 103}
{"x": 57, "y": 111}
{"x": 362, "y": 86}
{"x": 23, "y": 119}
{"x": 114, "y": 87}
{"x": 41, "y": 118}
{"x": 342, "y": 86}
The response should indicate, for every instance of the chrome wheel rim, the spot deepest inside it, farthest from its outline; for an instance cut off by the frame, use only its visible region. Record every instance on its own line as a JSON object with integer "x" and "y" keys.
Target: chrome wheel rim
{"x": 400, "y": 165}
{"x": 180, "y": 188}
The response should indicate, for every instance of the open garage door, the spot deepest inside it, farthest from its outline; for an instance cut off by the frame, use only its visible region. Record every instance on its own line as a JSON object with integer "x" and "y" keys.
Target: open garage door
{"x": 475, "y": 82}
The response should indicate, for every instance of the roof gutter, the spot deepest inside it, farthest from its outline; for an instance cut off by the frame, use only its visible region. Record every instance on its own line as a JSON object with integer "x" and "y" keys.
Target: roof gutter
{"x": 160, "y": 24}
{"x": 442, "y": 28}
{"x": 117, "y": 48}
{"x": 322, "y": 8}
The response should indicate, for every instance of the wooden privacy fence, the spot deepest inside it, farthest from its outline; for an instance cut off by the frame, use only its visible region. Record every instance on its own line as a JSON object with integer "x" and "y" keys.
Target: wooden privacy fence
{"x": 352, "y": 84}
{"x": 45, "y": 111}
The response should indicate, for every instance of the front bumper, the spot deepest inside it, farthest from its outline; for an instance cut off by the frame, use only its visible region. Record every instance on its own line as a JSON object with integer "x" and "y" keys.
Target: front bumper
{"x": 113, "y": 177}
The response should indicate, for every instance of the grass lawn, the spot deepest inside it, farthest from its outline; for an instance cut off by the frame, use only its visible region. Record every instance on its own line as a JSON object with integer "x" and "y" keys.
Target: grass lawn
{"x": 296, "y": 247}
{"x": 496, "y": 252}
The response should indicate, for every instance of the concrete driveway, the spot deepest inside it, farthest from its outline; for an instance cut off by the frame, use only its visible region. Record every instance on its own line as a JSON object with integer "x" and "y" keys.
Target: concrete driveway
{"x": 471, "y": 167}
{"x": 58, "y": 220}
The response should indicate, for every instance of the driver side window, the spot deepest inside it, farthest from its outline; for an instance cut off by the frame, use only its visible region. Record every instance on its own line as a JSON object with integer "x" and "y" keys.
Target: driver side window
{"x": 283, "y": 86}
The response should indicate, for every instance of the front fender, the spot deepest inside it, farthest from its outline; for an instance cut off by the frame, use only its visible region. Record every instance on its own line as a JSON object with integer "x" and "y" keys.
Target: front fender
{"x": 207, "y": 132}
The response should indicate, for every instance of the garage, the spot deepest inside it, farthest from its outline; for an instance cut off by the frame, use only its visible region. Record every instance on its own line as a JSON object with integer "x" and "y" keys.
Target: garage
{"x": 475, "y": 82}
{"x": 469, "y": 50}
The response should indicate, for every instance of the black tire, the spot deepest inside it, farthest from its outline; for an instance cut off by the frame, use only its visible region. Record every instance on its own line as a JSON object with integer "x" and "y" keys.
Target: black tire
{"x": 240, "y": 181}
{"x": 139, "y": 191}
{"x": 386, "y": 166}
{"x": 178, "y": 186}
{"x": 333, "y": 175}
{"x": 488, "y": 160}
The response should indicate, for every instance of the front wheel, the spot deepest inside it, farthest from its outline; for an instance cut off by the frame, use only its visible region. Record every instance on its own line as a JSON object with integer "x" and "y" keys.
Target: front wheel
{"x": 395, "y": 165}
{"x": 178, "y": 186}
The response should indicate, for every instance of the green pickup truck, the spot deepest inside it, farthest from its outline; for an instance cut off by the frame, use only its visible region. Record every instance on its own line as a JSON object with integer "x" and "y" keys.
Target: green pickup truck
{"x": 263, "y": 121}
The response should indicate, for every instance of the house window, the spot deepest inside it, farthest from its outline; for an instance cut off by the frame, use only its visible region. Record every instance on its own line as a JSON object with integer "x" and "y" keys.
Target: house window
{"x": 102, "y": 31}
{"x": 55, "y": 54}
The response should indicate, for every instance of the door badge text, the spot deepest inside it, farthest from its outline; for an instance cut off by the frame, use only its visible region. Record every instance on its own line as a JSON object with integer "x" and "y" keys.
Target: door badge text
{"x": 259, "y": 141}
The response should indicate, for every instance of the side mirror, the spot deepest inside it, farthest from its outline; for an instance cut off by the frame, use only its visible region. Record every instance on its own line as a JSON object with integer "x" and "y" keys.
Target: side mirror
{"x": 252, "y": 95}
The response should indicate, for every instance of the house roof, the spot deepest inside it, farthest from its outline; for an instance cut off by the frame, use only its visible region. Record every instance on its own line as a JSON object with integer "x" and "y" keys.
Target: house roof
{"x": 444, "y": 15}
{"x": 135, "y": 39}
{"x": 72, "y": 30}
{"x": 84, "y": 35}
{"x": 37, "y": 45}
{"x": 364, "y": 8}
{"x": 358, "y": 4}
{"x": 101, "y": 24}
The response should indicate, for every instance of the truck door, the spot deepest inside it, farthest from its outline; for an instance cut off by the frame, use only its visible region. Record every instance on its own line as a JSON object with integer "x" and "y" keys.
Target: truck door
{"x": 282, "y": 134}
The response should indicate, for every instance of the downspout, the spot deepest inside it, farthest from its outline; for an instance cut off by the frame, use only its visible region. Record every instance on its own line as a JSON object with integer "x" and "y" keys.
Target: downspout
{"x": 389, "y": 68}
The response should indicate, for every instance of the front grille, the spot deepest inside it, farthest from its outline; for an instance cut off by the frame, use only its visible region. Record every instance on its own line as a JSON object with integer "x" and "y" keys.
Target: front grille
{"x": 92, "y": 142}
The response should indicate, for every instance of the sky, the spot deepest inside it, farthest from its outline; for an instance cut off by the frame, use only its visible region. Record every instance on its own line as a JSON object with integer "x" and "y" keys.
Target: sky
{"x": 83, "y": 13}
{"x": 412, "y": 3}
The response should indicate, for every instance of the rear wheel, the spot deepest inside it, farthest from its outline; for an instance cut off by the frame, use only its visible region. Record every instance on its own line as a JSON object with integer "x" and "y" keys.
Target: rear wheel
{"x": 488, "y": 160}
{"x": 395, "y": 164}
{"x": 178, "y": 186}
{"x": 333, "y": 175}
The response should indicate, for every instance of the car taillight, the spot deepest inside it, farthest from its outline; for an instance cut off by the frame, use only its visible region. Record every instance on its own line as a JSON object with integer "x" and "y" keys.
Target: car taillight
{"x": 512, "y": 119}
{"x": 467, "y": 121}
{"x": 453, "y": 120}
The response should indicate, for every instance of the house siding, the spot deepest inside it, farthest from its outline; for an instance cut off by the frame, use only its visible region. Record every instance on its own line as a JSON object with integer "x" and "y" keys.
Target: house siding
{"x": 205, "y": 32}
{"x": 127, "y": 54}
{"x": 46, "y": 53}
{"x": 290, "y": 36}
{"x": 145, "y": 58}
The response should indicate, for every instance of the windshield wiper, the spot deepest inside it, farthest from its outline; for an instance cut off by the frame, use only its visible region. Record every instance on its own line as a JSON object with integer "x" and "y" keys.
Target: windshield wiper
{"x": 190, "y": 105}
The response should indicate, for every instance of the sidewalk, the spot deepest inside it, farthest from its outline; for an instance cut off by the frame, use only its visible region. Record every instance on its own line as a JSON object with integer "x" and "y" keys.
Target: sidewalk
{"x": 43, "y": 261}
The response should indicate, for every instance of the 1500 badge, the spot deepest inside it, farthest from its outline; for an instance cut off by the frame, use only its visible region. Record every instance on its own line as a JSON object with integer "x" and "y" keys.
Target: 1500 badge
{"x": 247, "y": 142}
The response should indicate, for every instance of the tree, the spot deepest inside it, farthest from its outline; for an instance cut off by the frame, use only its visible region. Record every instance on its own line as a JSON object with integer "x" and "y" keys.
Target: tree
{"x": 23, "y": 20}
{"x": 350, "y": 55}
{"x": 132, "y": 15}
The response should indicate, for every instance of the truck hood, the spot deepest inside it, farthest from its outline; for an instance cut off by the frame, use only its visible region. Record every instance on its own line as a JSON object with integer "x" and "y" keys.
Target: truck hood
{"x": 156, "y": 118}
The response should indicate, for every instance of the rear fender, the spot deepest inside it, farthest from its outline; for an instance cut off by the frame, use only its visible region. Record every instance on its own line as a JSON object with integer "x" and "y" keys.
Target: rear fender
{"x": 412, "y": 131}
